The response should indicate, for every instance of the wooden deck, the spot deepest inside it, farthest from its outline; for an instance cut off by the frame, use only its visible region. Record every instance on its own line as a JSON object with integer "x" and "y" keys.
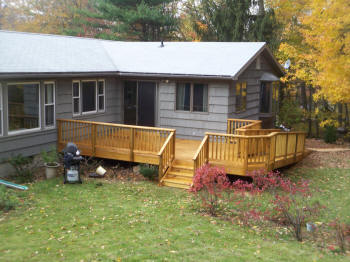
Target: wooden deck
{"x": 245, "y": 147}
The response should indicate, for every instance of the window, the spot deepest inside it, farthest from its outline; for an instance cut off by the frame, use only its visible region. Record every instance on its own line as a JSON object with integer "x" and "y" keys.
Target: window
{"x": 49, "y": 104}
{"x": 101, "y": 95}
{"x": 200, "y": 98}
{"x": 76, "y": 98}
{"x": 275, "y": 95}
{"x": 88, "y": 91}
{"x": 23, "y": 106}
{"x": 183, "y": 96}
{"x": 265, "y": 96}
{"x": 1, "y": 111}
{"x": 192, "y": 97}
{"x": 88, "y": 96}
{"x": 241, "y": 96}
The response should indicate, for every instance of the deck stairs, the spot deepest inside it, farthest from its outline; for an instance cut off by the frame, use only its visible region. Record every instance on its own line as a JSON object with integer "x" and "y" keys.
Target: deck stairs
{"x": 179, "y": 175}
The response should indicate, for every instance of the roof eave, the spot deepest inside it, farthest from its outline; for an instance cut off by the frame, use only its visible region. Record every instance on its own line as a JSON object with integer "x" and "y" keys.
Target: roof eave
{"x": 9, "y": 75}
{"x": 262, "y": 49}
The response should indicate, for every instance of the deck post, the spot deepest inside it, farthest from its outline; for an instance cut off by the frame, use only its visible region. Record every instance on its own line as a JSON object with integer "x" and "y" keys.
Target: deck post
{"x": 245, "y": 164}
{"x": 207, "y": 150}
{"x": 132, "y": 133}
{"x": 296, "y": 147}
{"x": 59, "y": 134}
{"x": 93, "y": 139}
{"x": 173, "y": 149}
{"x": 286, "y": 151}
{"x": 160, "y": 168}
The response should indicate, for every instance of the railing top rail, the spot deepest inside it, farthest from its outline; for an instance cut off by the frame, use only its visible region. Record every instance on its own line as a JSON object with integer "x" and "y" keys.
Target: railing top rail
{"x": 255, "y": 136}
{"x": 243, "y": 120}
{"x": 200, "y": 147}
{"x": 259, "y": 130}
{"x": 117, "y": 125}
{"x": 166, "y": 143}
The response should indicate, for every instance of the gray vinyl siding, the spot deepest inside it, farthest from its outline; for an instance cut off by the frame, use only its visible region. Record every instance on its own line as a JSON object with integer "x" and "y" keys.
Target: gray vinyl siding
{"x": 252, "y": 77}
{"x": 193, "y": 125}
{"x": 32, "y": 143}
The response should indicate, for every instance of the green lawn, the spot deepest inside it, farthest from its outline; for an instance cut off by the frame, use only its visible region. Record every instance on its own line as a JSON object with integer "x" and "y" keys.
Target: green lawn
{"x": 139, "y": 221}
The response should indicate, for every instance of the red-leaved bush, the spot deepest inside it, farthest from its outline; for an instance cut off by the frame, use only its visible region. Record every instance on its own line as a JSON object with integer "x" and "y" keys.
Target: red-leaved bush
{"x": 342, "y": 234}
{"x": 210, "y": 183}
{"x": 291, "y": 204}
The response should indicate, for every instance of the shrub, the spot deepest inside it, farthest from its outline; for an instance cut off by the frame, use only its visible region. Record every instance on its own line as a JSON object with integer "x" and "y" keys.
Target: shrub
{"x": 210, "y": 184}
{"x": 24, "y": 168}
{"x": 50, "y": 157}
{"x": 330, "y": 134}
{"x": 341, "y": 232}
{"x": 290, "y": 113}
{"x": 7, "y": 201}
{"x": 293, "y": 205}
{"x": 149, "y": 171}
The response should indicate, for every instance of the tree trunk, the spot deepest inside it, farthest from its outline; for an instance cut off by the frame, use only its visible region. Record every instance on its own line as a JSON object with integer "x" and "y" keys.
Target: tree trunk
{"x": 347, "y": 120}
{"x": 310, "y": 112}
{"x": 340, "y": 114}
{"x": 261, "y": 7}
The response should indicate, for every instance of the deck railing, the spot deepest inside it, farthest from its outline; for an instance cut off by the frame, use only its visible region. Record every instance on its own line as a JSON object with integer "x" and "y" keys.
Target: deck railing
{"x": 255, "y": 132}
{"x": 201, "y": 157}
{"x": 116, "y": 141}
{"x": 250, "y": 152}
{"x": 234, "y": 124}
{"x": 166, "y": 155}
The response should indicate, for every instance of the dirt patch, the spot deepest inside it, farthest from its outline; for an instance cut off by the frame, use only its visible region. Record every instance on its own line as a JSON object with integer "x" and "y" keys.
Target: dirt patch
{"x": 318, "y": 143}
{"x": 326, "y": 160}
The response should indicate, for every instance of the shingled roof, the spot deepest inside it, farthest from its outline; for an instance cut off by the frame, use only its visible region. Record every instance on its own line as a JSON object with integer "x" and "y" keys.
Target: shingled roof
{"x": 31, "y": 53}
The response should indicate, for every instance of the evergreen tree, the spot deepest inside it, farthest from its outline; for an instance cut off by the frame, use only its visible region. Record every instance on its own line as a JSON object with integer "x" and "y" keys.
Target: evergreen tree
{"x": 144, "y": 20}
{"x": 233, "y": 20}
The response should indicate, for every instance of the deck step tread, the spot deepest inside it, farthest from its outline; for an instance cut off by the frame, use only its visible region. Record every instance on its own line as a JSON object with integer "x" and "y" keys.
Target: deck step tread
{"x": 178, "y": 181}
{"x": 170, "y": 184}
{"x": 180, "y": 174}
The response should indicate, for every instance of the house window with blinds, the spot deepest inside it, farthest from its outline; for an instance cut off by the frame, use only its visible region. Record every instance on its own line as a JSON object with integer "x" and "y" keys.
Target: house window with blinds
{"x": 192, "y": 97}
{"x": 49, "y": 104}
{"x": 88, "y": 96}
{"x": 241, "y": 96}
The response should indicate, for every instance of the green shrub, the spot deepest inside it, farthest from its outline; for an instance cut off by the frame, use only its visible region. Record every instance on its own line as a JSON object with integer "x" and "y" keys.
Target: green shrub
{"x": 50, "y": 157}
{"x": 7, "y": 201}
{"x": 330, "y": 134}
{"x": 290, "y": 113}
{"x": 149, "y": 171}
{"x": 24, "y": 168}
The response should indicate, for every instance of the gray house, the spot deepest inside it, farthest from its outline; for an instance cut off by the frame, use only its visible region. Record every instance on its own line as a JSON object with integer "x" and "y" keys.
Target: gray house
{"x": 190, "y": 86}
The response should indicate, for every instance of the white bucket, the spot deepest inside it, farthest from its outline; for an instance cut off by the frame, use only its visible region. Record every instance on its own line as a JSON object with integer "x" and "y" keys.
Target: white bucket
{"x": 100, "y": 171}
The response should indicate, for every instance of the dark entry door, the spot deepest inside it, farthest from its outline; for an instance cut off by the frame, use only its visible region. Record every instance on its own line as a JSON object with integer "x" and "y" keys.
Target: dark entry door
{"x": 139, "y": 103}
{"x": 130, "y": 102}
{"x": 146, "y": 103}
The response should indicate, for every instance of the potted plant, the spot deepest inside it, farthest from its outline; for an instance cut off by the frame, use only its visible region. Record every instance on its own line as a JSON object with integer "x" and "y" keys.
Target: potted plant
{"x": 50, "y": 159}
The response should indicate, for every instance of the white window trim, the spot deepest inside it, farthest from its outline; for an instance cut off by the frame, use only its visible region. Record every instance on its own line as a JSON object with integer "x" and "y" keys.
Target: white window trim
{"x": 1, "y": 113}
{"x": 8, "y": 119}
{"x": 81, "y": 113}
{"x": 53, "y": 103}
{"x": 104, "y": 96}
{"x": 76, "y": 97}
